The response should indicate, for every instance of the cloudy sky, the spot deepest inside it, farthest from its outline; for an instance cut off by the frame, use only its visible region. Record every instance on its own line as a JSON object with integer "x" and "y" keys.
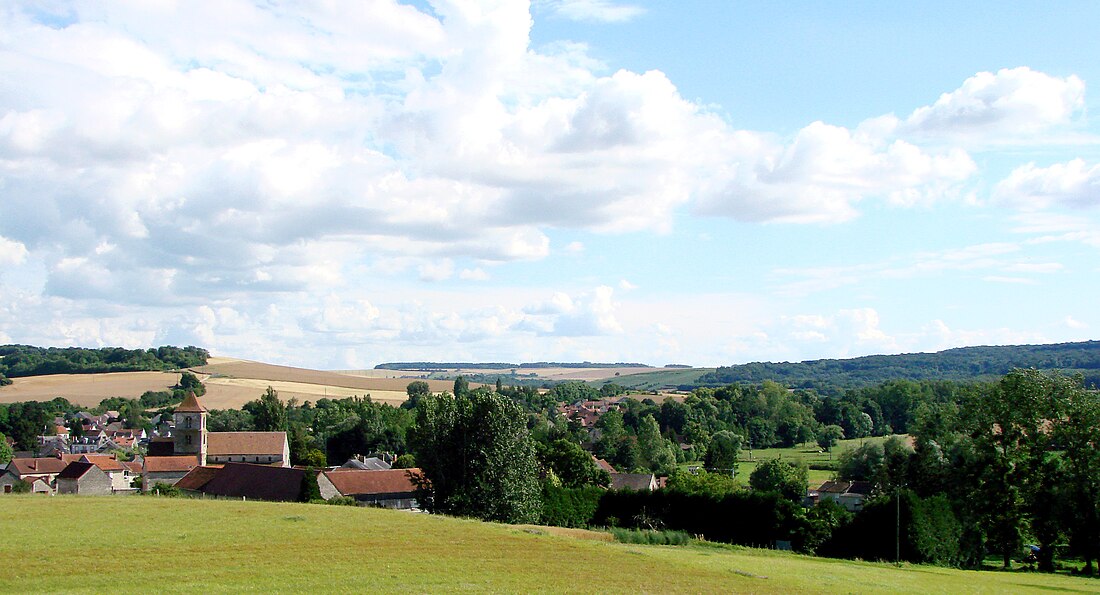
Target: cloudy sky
{"x": 338, "y": 184}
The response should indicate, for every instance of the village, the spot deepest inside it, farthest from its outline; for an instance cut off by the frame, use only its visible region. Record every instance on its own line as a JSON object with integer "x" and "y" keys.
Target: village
{"x": 182, "y": 456}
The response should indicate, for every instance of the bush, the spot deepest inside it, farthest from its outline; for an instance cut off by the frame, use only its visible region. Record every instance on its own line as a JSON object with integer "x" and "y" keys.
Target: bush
{"x": 648, "y": 537}
{"x": 166, "y": 490}
{"x": 569, "y": 507}
{"x": 341, "y": 501}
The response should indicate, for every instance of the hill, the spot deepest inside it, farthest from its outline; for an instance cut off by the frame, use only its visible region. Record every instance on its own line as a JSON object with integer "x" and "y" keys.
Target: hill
{"x": 230, "y": 383}
{"x": 960, "y": 364}
{"x": 219, "y": 546}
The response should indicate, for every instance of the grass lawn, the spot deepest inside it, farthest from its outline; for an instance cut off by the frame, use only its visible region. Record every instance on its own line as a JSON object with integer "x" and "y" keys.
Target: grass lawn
{"x": 134, "y": 544}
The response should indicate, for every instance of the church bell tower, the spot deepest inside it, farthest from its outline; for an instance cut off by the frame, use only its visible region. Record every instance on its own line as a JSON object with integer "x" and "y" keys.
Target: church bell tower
{"x": 190, "y": 431}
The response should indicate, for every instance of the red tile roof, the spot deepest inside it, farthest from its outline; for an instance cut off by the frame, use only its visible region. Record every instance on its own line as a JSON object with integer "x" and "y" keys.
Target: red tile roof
{"x": 39, "y": 466}
{"x": 169, "y": 464}
{"x": 190, "y": 404}
{"x": 245, "y": 443}
{"x": 351, "y": 482}
{"x": 106, "y": 463}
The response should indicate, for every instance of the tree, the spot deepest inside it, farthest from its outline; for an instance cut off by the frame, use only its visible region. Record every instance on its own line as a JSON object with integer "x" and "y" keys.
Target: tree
{"x": 476, "y": 458}
{"x": 417, "y": 389}
{"x": 405, "y": 461}
{"x": 571, "y": 464}
{"x": 268, "y": 413}
{"x": 656, "y": 454}
{"x": 190, "y": 382}
{"x": 777, "y": 475}
{"x": 461, "y": 387}
{"x": 722, "y": 452}
{"x": 1078, "y": 432}
{"x": 829, "y": 436}
{"x": 6, "y": 452}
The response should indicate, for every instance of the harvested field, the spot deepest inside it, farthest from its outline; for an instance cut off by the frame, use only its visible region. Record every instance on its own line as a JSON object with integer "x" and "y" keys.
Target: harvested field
{"x": 223, "y": 367}
{"x": 86, "y": 389}
{"x": 233, "y": 393}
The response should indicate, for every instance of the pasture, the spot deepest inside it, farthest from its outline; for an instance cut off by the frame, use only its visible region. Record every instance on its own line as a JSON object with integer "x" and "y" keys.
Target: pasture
{"x": 231, "y": 546}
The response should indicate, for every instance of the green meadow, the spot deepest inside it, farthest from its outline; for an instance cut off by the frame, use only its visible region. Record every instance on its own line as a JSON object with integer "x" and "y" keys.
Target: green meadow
{"x": 136, "y": 544}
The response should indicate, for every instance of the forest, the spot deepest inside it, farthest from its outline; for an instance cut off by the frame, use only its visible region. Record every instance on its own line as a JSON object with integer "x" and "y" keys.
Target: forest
{"x": 25, "y": 360}
{"x": 961, "y": 364}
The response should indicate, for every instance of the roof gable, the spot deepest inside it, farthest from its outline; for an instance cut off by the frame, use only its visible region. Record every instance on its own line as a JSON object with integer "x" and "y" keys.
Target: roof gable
{"x": 190, "y": 404}
{"x": 76, "y": 470}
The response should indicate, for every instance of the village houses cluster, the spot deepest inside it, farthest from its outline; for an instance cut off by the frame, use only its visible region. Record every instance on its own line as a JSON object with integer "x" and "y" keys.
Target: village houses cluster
{"x": 256, "y": 465}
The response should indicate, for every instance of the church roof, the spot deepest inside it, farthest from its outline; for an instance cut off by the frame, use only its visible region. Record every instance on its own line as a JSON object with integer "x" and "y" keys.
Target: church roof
{"x": 245, "y": 443}
{"x": 190, "y": 404}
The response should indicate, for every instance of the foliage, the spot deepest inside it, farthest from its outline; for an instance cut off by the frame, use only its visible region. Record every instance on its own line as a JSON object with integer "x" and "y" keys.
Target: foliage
{"x": 164, "y": 489}
{"x": 405, "y": 461}
{"x": 309, "y": 491}
{"x": 476, "y": 456}
{"x": 962, "y": 364}
{"x": 4, "y": 380}
{"x": 6, "y": 451}
{"x": 571, "y": 464}
{"x": 25, "y": 360}
{"x": 829, "y": 436}
{"x": 929, "y": 531}
{"x": 703, "y": 483}
{"x": 722, "y": 452}
{"x": 569, "y": 507}
{"x": 650, "y": 537}
{"x": 20, "y": 487}
{"x": 342, "y": 501}
{"x": 784, "y": 477}
{"x": 229, "y": 420}
{"x": 190, "y": 383}
{"x": 268, "y": 413}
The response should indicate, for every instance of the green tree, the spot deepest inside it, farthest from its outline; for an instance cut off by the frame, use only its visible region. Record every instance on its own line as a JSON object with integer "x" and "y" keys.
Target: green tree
{"x": 656, "y": 454}
{"x": 6, "y": 452}
{"x": 190, "y": 382}
{"x": 461, "y": 387}
{"x": 829, "y": 436}
{"x": 571, "y": 464}
{"x": 417, "y": 389}
{"x": 777, "y": 475}
{"x": 405, "y": 461}
{"x": 1078, "y": 432}
{"x": 476, "y": 458}
{"x": 268, "y": 413}
{"x": 722, "y": 452}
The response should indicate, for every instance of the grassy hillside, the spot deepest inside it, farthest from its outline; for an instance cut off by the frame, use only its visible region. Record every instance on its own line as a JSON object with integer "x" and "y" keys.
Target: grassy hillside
{"x": 217, "y": 546}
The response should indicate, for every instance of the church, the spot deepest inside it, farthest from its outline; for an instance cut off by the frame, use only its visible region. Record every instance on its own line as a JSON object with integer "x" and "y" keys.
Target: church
{"x": 192, "y": 446}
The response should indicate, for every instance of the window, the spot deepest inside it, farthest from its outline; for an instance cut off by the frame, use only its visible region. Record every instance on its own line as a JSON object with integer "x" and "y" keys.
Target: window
{"x": 188, "y": 422}
{"x": 189, "y": 439}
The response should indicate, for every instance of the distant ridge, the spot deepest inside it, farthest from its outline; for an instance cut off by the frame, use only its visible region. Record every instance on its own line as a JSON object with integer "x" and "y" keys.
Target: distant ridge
{"x": 431, "y": 366}
{"x": 958, "y": 364}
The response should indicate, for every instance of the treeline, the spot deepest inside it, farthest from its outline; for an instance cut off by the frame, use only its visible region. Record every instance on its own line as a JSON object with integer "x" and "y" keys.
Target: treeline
{"x": 427, "y": 366}
{"x": 26, "y": 360}
{"x": 962, "y": 364}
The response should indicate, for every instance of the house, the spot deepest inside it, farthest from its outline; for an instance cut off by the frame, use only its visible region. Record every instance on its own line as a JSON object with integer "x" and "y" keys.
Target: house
{"x": 639, "y": 482}
{"x": 84, "y": 479}
{"x": 849, "y": 494}
{"x": 366, "y": 463}
{"x": 45, "y": 468}
{"x": 121, "y": 475}
{"x": 250, "y": 481}
{"x": 167, "y": 470}
{"x": 602, "y": 464}
{"x": 197, "y": 478}
{"x": 388, "y": 488}
{"x": 38, "y": 485}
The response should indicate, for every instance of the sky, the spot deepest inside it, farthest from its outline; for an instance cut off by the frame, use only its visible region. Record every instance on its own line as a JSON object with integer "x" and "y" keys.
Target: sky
{"x": 339, "y": 184}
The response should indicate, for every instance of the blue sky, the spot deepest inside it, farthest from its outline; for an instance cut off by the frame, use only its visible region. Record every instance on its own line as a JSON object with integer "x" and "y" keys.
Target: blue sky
{"x": 662, "y": 182}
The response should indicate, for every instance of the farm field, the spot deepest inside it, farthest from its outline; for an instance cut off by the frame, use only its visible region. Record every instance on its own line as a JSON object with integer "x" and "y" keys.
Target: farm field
{"x": 658, "y": 378}
{"x": 230, "y": 546}
{"x": 230, "y": 383}
{"x": 86, "y": 389}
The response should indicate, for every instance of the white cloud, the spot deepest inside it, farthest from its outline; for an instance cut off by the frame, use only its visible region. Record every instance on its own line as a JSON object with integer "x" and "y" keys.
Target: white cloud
{"x": 626, "y": 285}
{"x": 437, "y": 271}
{"x": 605, "y": 11}
{"x": 1073, "y": 323}
{"x": 574, "y": 247}
{"x": 1074, "y": 184}
{"x": 583, "y": 315}
{"x": 475, "y": 274}
{"x": 1016, "y": 101}
{"x": 12, "y": 252}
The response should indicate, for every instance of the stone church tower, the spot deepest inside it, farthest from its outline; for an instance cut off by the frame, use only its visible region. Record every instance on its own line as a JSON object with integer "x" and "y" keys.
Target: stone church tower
{"x": 190, "y": 432}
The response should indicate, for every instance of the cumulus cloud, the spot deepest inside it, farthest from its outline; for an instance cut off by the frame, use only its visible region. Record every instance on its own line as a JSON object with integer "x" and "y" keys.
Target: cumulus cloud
{"x": 1074, "y": 184}
{"x": 12, "y": 252}
{"x": 1012, "y": 101}
{"x": 583, "y": 315}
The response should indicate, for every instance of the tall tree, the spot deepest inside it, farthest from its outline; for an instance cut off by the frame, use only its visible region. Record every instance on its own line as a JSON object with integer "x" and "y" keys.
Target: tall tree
{"x": 476, "y": 457}
{"x": 722, "y": 452}
{"x": 268, "y": 413}
{"x": 777, "y": 475}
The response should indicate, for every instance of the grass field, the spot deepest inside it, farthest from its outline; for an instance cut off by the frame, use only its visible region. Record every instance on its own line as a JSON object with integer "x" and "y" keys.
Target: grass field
{"x": 659, "y": 379}
{"x": 175, "y": 545}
